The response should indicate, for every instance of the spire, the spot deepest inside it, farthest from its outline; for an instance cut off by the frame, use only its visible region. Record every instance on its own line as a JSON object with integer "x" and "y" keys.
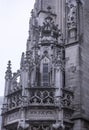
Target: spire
{"x": 8, "y": 71}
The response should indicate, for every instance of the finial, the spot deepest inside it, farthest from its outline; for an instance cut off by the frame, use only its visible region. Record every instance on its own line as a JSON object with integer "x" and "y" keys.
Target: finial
{"x": 9, "y": 65}
{"x": 8, "y": 71}
{"x": 27, "y": 55}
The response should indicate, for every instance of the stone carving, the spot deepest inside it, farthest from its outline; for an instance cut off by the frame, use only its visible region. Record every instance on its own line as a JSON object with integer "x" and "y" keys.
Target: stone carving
{"x": 67, "y": 114}
{"x": 49, "y": 31}
{"x": 12, "y": 118}
{"x": 8, "y": 71}
{"x": 14, "y": 101}
{"x": 41, "y": 97}
{"x": 72, "y": 14}
{"x": 58, "y": 61}
{"x": 34, "y": 26}
{"x": 67, "y": 99}
{"x": 72, "y": 20}
{"x": 58, "y": 126}
{"x": 41, "y": 114}
{"x": 40, "y": 127}
{"x": 22, "y": 125}
{"x": 72, "y": 69}
{"x": 27, "y": 61}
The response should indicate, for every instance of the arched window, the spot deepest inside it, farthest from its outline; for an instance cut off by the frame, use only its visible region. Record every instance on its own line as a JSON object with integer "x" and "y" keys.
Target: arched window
{"x": 45, "y": 74}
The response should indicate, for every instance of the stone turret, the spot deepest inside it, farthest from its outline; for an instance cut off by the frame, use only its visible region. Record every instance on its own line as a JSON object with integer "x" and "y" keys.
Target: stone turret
{"x": 49, "y": 90}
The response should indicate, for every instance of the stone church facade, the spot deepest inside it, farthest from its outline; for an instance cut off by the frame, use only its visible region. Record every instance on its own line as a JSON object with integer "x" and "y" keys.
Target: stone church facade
{"x": 50, "y": 91}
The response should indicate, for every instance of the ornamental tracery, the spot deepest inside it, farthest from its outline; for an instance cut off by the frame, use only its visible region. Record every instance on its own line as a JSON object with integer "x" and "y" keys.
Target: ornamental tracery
{"x": 15, "y": 92}
{"x": 15, "y": 83}
{"x": 40, "y": 97}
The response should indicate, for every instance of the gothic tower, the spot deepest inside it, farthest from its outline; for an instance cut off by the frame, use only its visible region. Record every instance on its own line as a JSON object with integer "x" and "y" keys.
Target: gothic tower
{"x": 50, "y": 91}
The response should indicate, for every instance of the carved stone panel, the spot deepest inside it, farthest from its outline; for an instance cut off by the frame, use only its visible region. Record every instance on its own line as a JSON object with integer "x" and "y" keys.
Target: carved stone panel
{"x": 11, "y": 118}
{"x": 41, "y": 114}
{"x": 72, "y": 20}
{"x": 72, "y": 13}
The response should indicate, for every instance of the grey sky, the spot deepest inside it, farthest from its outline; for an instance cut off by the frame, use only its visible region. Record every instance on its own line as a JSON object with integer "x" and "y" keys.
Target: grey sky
{"x": 14, "y": 25}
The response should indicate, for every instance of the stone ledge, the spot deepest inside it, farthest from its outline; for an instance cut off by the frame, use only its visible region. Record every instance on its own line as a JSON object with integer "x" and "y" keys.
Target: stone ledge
{"x": 80, "y": 116}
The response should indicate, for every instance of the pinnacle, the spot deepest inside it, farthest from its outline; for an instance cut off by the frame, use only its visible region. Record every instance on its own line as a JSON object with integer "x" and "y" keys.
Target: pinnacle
{"x": 8, "y": 71}
{"x": 9, "y": 65}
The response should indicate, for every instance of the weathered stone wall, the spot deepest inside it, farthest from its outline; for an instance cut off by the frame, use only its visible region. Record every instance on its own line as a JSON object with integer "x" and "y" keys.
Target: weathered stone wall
{"x": 72, "y": 50}
{"x": 72, "y": 71}
{"x": 77, "y": 68}
{"x": 84, "y": 61}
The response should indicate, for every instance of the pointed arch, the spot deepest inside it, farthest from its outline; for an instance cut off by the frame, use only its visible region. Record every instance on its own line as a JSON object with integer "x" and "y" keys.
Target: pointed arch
{"x": 45, "y": 71}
